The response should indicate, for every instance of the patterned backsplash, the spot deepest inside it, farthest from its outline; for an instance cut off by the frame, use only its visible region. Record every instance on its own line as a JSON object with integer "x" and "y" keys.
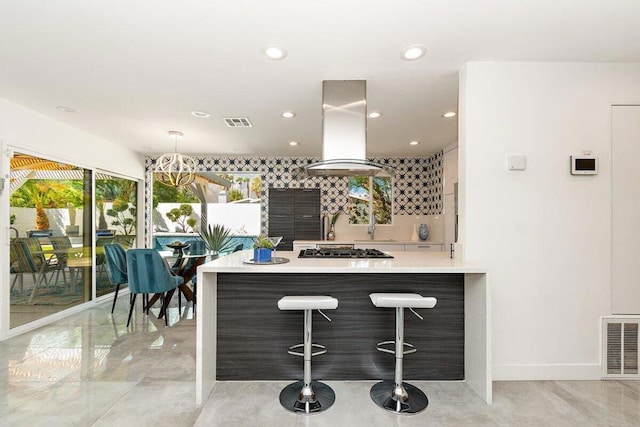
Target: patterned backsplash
{"x": 417, "y": 185}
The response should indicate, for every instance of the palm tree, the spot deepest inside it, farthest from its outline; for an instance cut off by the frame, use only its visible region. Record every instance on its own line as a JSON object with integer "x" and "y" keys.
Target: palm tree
{"x": 38, "y": 194}
{"x": 256, "y": 186}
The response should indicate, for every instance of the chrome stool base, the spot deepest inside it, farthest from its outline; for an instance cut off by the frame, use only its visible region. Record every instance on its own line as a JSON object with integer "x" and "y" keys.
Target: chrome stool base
{"x": 293, "y": 399}
{"x": 384, "y": 395}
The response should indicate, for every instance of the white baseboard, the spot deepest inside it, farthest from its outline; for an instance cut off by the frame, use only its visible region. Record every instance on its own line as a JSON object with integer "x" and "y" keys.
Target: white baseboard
{"x": 546, "y": 372}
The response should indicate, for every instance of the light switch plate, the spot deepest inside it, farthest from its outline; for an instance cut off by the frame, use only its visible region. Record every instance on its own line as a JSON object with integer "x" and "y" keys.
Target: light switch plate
{"x": 516, "y": 162}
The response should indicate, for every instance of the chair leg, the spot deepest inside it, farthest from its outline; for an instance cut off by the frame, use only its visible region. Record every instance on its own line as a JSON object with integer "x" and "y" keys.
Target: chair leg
{"x": 42, "y": 276}
{"x": 195, "y": 296}
{"x": 15, "y": 279}
{"x": 115, "y": 298}
{"x": 131, "y": 305}
{"x": 163, "y": 310}
{"x": 55, "y": 281}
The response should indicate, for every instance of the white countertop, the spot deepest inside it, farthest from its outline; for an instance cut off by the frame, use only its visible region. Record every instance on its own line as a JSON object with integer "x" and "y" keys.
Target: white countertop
{"x": 403, "y": 262}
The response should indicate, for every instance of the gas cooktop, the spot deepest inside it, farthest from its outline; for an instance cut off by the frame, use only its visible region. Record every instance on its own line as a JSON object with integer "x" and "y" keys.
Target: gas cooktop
{"x": 342, "y": 253}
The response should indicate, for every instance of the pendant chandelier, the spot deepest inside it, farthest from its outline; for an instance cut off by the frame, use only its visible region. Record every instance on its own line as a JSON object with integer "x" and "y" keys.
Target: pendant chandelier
{"x": 173, "y": 169}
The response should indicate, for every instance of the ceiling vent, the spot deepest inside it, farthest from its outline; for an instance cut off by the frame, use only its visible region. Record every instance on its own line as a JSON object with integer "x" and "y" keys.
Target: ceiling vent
{"x": 238, "y": 122}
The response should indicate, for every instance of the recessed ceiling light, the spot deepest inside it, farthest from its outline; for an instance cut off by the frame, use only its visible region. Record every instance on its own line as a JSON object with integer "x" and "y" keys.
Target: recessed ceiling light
{"x": 288, "y": 114}
{"x": 200, "y": 114}
{"x": 293, "y": 143}
{"x": 413, "y": 52}
{"x": 374, "y": 114}
{"x": 414, "y": 143}
{"x": 65, "y": 109}
{"x": 274, "y": 52}
{"x": 449, "y": 114}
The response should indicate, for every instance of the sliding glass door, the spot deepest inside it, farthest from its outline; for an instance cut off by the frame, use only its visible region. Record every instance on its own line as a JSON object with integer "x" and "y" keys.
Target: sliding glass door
{"x": 51, "y": 239}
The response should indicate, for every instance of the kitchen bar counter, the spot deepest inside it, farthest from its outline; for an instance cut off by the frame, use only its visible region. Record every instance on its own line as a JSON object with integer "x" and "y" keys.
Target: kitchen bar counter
{"x": 241, "y": 335}
{"x": 403, "y": 262}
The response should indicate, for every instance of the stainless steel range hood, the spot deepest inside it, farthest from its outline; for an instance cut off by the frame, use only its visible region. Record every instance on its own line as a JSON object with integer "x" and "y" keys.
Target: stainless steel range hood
{"x": 344, "y": 132}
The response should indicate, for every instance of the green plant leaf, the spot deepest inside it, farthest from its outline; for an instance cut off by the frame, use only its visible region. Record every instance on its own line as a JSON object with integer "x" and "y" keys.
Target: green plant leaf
{"x": 217, "y": 238}
{"x": 262, "y": 241}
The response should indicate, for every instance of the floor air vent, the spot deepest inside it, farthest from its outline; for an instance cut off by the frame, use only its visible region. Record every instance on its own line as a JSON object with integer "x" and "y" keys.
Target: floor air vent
{"x": 620, "y": 348}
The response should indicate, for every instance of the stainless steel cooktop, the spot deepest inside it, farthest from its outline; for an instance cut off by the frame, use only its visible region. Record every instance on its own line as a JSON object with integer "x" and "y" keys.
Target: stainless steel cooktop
{"x": 342, "y": 253}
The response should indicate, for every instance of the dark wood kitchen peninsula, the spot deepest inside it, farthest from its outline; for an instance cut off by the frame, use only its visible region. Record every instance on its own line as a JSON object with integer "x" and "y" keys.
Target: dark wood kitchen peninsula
{"x": 242, "y": 335}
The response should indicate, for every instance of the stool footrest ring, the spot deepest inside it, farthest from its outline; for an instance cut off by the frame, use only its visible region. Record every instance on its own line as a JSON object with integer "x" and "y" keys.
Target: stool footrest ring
{"x": 297, "y": 353}
{"x": 381, "y": 344}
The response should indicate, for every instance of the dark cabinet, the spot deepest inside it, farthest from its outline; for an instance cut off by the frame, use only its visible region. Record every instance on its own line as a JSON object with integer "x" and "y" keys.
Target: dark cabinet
{"x": 281, "y": 204}
{"x": 294, "y": 214}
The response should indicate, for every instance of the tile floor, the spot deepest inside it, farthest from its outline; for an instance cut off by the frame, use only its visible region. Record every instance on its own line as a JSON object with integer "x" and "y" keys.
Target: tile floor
{"x": 89, "y": 370}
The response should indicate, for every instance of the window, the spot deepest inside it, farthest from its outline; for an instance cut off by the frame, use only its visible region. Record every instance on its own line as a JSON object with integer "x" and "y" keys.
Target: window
{"x": 370, "y": 195}
{"x": 231, "y": 199}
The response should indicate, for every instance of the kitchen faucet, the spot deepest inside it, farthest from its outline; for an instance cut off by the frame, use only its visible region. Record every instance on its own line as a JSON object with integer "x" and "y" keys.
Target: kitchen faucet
{"x": 372, "y": 225}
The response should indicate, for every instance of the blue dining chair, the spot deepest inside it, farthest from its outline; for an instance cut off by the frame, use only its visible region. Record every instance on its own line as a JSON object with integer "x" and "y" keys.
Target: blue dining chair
{"x": 148, "y": 273}
{"x": 196, "y": 247}
{"x": 116, "y": 258}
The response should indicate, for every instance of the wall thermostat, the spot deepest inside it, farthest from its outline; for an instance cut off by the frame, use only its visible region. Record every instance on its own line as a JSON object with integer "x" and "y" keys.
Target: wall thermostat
{"x": 584, "y": 165}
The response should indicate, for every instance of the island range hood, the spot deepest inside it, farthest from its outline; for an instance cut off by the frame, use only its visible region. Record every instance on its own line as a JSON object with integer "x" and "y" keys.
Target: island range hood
{"x": 344, "y": 132}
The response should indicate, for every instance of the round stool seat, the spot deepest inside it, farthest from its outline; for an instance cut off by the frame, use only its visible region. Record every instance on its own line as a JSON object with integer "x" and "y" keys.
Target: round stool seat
{"x": 308, "y": 302}
{"x": 403, "y": 300}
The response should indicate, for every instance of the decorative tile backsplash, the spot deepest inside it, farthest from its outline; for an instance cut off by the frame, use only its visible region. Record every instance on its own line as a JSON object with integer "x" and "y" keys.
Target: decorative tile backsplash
{"x": 417, "y": 185}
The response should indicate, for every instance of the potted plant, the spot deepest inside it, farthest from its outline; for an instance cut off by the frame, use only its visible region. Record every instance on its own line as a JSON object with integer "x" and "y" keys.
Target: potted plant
{"x": 262, "y": 249}
{"x": 217, "y": 238}
{"x": 331, "y": 235}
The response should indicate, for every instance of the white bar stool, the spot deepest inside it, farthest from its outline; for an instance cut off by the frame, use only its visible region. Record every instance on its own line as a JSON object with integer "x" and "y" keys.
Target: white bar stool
{"x": 398, "y": 396}
{"x": 307, "y": 396}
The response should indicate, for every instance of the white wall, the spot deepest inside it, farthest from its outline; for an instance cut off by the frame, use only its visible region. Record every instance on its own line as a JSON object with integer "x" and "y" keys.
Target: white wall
{"x": 450, "y": 173}
{"x": 58, "y": 220}
{"x": 544, "y": 234}
{"x": 33, "y": 131}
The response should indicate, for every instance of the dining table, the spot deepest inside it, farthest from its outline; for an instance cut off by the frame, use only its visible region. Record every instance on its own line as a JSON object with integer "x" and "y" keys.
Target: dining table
{"x": 184, "y": 265}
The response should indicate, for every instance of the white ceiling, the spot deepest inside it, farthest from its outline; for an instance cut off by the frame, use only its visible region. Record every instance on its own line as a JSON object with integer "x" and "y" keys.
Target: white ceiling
{"x": 135, "y": 69}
